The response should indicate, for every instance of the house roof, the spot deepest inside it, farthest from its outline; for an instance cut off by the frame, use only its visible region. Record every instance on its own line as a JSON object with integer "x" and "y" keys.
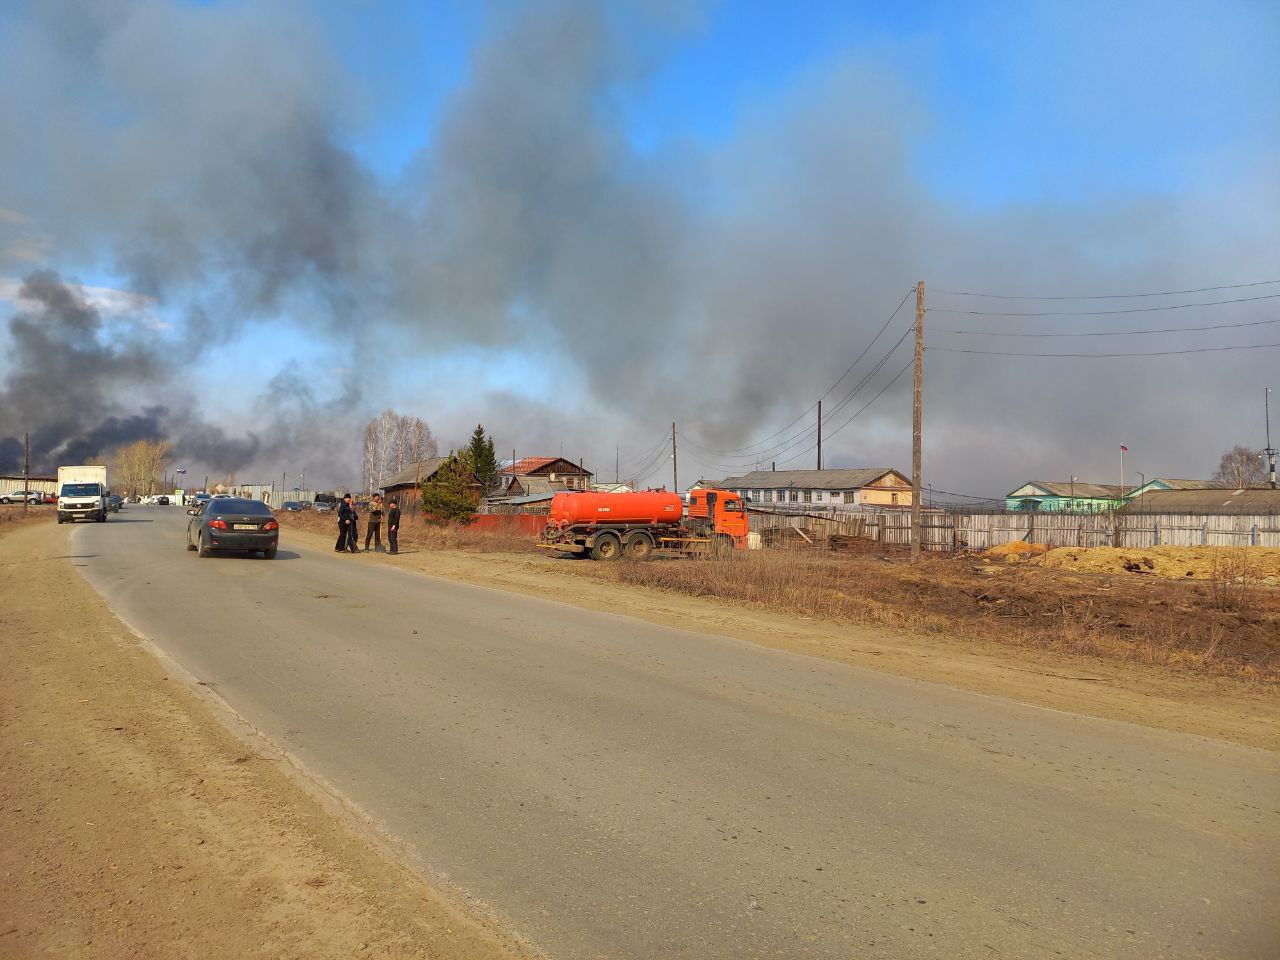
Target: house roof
{"x": 1078, "y": 490}
{"x": 808, "y": 479}
{"x": 1255, "y": 500}
{"x": 527, "y": 465}
{"x": 418, "y": 470}
{"x": 1188, "y": 484}
{"x": 533, "y": 498}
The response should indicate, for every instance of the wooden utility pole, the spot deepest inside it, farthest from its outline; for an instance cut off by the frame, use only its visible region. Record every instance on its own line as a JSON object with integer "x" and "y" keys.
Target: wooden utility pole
{"x": 26, "y": 471}
{"x": 915, "y": 426}
{"x": 819, "y": 434}
{"x": 675, "y": 472}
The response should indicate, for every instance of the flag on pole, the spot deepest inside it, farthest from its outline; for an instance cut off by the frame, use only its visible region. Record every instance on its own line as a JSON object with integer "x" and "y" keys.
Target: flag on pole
{"x": 181, "y": 470}
{"x": 1124, "y": 448}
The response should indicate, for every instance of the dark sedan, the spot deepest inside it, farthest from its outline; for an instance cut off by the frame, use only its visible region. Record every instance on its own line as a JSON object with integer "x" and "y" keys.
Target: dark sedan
{"x": 233, "y": 525}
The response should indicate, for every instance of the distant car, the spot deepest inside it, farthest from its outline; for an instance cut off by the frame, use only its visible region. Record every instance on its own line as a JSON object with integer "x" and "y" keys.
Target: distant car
{"x": 322, "y": 507}
{"x": 162, "y": 501}
{"x": 22, "y": 496}
{"x": 233, "y": 525}
{"x": 48, "y": 498}
{"x": 114, "y": 503}
{"x": 291, "y": 506}
{"x": 135, "y": 499}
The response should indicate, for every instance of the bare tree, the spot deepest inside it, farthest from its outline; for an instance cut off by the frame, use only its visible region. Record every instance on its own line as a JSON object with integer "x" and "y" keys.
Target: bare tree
{"x": 1241, "y": 467}
{"x": 387, "y": 464}
{"x": 369, "y": 465}
{"x": 404, "y": 439}
{"x": 422, "y": 444}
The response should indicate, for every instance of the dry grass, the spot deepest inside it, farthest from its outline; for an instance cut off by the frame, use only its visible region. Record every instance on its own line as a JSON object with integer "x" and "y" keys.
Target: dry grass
{"x": 13, "y": 514}
{"x": 1179, "y": 625}
{"x": 417, "y": 535}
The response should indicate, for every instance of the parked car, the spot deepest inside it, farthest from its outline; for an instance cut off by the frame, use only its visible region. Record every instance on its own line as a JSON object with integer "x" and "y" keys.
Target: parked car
{"x": 235, "y": 525}
{"x": 22, "y": 496}
{"x": 162, "y": 501}
{"x": 291, "y": 506}
{"x": 114, "y": 503}
{"x": 322, "y": 507}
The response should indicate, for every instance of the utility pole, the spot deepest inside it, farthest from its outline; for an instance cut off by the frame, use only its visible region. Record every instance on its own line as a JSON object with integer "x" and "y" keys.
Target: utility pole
{"x": 819, "y": 434}
{"x": 26, "y": 471}
{"x": 675, "y": 472}
{"x": 617, "y": 462}
{"x": 1271, "y": 451}
{"x": 915, "y": 426}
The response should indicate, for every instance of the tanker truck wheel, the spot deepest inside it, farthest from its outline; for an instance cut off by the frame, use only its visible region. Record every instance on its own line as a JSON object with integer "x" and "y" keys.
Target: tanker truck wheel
{"x": 637, "y": 546}
{"x": 606, "y": 546}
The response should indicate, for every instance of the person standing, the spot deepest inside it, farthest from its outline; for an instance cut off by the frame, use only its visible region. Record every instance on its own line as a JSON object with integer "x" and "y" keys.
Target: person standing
{"x": 345, "y": 514}
{"x": 353, "y": 538}
{"x": 373, "y": 527}
{"x": 393, "y": 528}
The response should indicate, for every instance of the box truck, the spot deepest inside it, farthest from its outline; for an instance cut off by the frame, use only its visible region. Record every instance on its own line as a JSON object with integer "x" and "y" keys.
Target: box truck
{"x": 82, "y": 493}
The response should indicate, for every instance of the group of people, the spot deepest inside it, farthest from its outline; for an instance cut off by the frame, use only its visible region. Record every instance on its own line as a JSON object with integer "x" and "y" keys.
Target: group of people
{"x": 349, "y": 525}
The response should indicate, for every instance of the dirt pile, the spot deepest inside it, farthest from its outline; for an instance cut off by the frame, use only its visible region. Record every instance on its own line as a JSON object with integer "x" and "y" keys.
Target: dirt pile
{"x": 1259, "y": 564}
{"x": 1014, "y": 551}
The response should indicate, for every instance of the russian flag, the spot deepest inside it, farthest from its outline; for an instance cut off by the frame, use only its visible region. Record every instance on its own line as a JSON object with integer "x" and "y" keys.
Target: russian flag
{"x": 1123, "y": 448}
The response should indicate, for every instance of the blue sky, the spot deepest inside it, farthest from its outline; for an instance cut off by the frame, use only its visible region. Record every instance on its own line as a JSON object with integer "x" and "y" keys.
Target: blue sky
{"x": 1112, "y": 143}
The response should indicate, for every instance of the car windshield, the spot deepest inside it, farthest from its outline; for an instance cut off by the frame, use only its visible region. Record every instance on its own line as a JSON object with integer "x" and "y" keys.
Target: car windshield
{"x": 251, "y": 508}
{"x": 80, "y": 490}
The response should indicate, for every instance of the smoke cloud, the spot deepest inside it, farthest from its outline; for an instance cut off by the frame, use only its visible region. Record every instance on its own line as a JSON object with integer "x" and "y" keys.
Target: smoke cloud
{"x": 201, "y": 153}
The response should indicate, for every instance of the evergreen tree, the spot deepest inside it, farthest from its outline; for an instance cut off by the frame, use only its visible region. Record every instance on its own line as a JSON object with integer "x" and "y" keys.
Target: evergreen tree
{"x": 482, "y": 456}
{"x": 448, "y": 495}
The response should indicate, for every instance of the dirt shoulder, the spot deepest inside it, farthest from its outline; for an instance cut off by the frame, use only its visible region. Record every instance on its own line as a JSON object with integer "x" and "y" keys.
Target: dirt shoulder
{"x": 136, "y": 825}
{"x": 1221, "y": 707}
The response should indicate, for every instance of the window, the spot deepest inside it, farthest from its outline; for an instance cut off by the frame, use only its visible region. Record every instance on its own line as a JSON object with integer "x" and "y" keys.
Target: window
{"x": 81, "y": 490}
{"x": 808, "y": 496}
{"x": 795, "y": 496}
{"x": 893, "y": 498}
{"x": 733, "y": 506}
{"x": 817, "y": 496}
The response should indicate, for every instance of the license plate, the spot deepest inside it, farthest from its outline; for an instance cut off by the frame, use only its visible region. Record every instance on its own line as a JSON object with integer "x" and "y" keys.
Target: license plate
{"x": 244, "y": 526}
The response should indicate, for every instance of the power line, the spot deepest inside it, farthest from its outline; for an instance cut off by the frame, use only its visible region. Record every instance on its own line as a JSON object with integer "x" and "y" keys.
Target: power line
{"x": 830, "y": 389}
{"x": 1099, "y": 313}
{"x": 1099, "y": 356}
{"x": 1112, "y": 333}
{"x": 897, "y": 376}
{"x": 1110, "y": 296}
{"x": 806, "y": 435}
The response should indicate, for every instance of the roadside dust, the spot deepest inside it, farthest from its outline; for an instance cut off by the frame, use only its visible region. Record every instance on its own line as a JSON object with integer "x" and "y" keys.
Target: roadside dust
{"x": 136, "y": 826}
{"x": 1226, "y": 708}
{"x": 1173, "y": 563}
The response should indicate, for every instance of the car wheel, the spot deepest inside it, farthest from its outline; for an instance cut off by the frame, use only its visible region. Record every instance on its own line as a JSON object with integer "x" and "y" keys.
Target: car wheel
{"x": 269, "y": 554}
{"x": 204, "y": 548}
{"x": 190, "y": 546}
{"x": 5, "y": 500}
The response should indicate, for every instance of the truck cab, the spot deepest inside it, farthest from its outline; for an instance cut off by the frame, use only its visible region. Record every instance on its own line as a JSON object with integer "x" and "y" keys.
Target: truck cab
{"x": 719, "y": 512}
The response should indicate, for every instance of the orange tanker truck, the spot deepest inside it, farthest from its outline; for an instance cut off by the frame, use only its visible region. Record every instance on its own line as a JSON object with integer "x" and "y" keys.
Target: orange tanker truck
{"x": 606, "y": 526}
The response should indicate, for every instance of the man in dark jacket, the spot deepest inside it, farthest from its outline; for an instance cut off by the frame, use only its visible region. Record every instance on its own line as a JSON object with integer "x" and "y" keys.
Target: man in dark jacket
{"x": 393, "y": 527}
{"x": 346, "y": 526}
{"x": 373, "y": 526}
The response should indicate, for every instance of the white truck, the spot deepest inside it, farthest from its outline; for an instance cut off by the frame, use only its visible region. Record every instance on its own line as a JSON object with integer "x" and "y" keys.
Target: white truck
{"x": 82, "y": 493}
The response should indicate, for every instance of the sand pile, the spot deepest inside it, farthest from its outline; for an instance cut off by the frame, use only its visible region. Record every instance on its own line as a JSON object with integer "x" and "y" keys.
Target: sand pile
{"x": 1014, "y": 551}
{"x": 1174, "y": 563}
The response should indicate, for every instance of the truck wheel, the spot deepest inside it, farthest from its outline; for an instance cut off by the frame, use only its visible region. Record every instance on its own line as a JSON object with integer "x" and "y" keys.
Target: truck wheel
{"x": 606, "y": 546}
{"x": 637, "y": 546}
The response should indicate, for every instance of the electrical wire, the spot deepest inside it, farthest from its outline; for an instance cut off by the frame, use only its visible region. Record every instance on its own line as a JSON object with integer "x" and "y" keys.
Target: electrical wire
{"x": 1099, "y": 313}
{"x": 1099, "y": 356}
{"x": 830, "y": 389}
{"x": 811, "y": 432}
{"x": 1109, "y": 296}
{"x": 1111, "y": 333}
{"x": 862, "y": 409}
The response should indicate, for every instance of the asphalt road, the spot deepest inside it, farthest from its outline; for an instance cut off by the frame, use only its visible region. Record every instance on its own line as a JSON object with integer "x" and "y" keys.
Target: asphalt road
{"x": 618, "y": 789}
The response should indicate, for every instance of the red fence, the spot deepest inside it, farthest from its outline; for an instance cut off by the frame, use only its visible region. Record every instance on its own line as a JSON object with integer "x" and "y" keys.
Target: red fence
{"x": 520, "y": 524}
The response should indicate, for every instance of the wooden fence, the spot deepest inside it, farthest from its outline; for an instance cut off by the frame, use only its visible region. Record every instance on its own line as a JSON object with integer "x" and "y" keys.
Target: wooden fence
{"x": 943, "y": 531}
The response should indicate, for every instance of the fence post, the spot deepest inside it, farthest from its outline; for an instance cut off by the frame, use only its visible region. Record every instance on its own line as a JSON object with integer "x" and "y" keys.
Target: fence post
{"x": 1254, "y": 539}
{"x": 1204, "y": 534}
{"x": 1157, "y": 533}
